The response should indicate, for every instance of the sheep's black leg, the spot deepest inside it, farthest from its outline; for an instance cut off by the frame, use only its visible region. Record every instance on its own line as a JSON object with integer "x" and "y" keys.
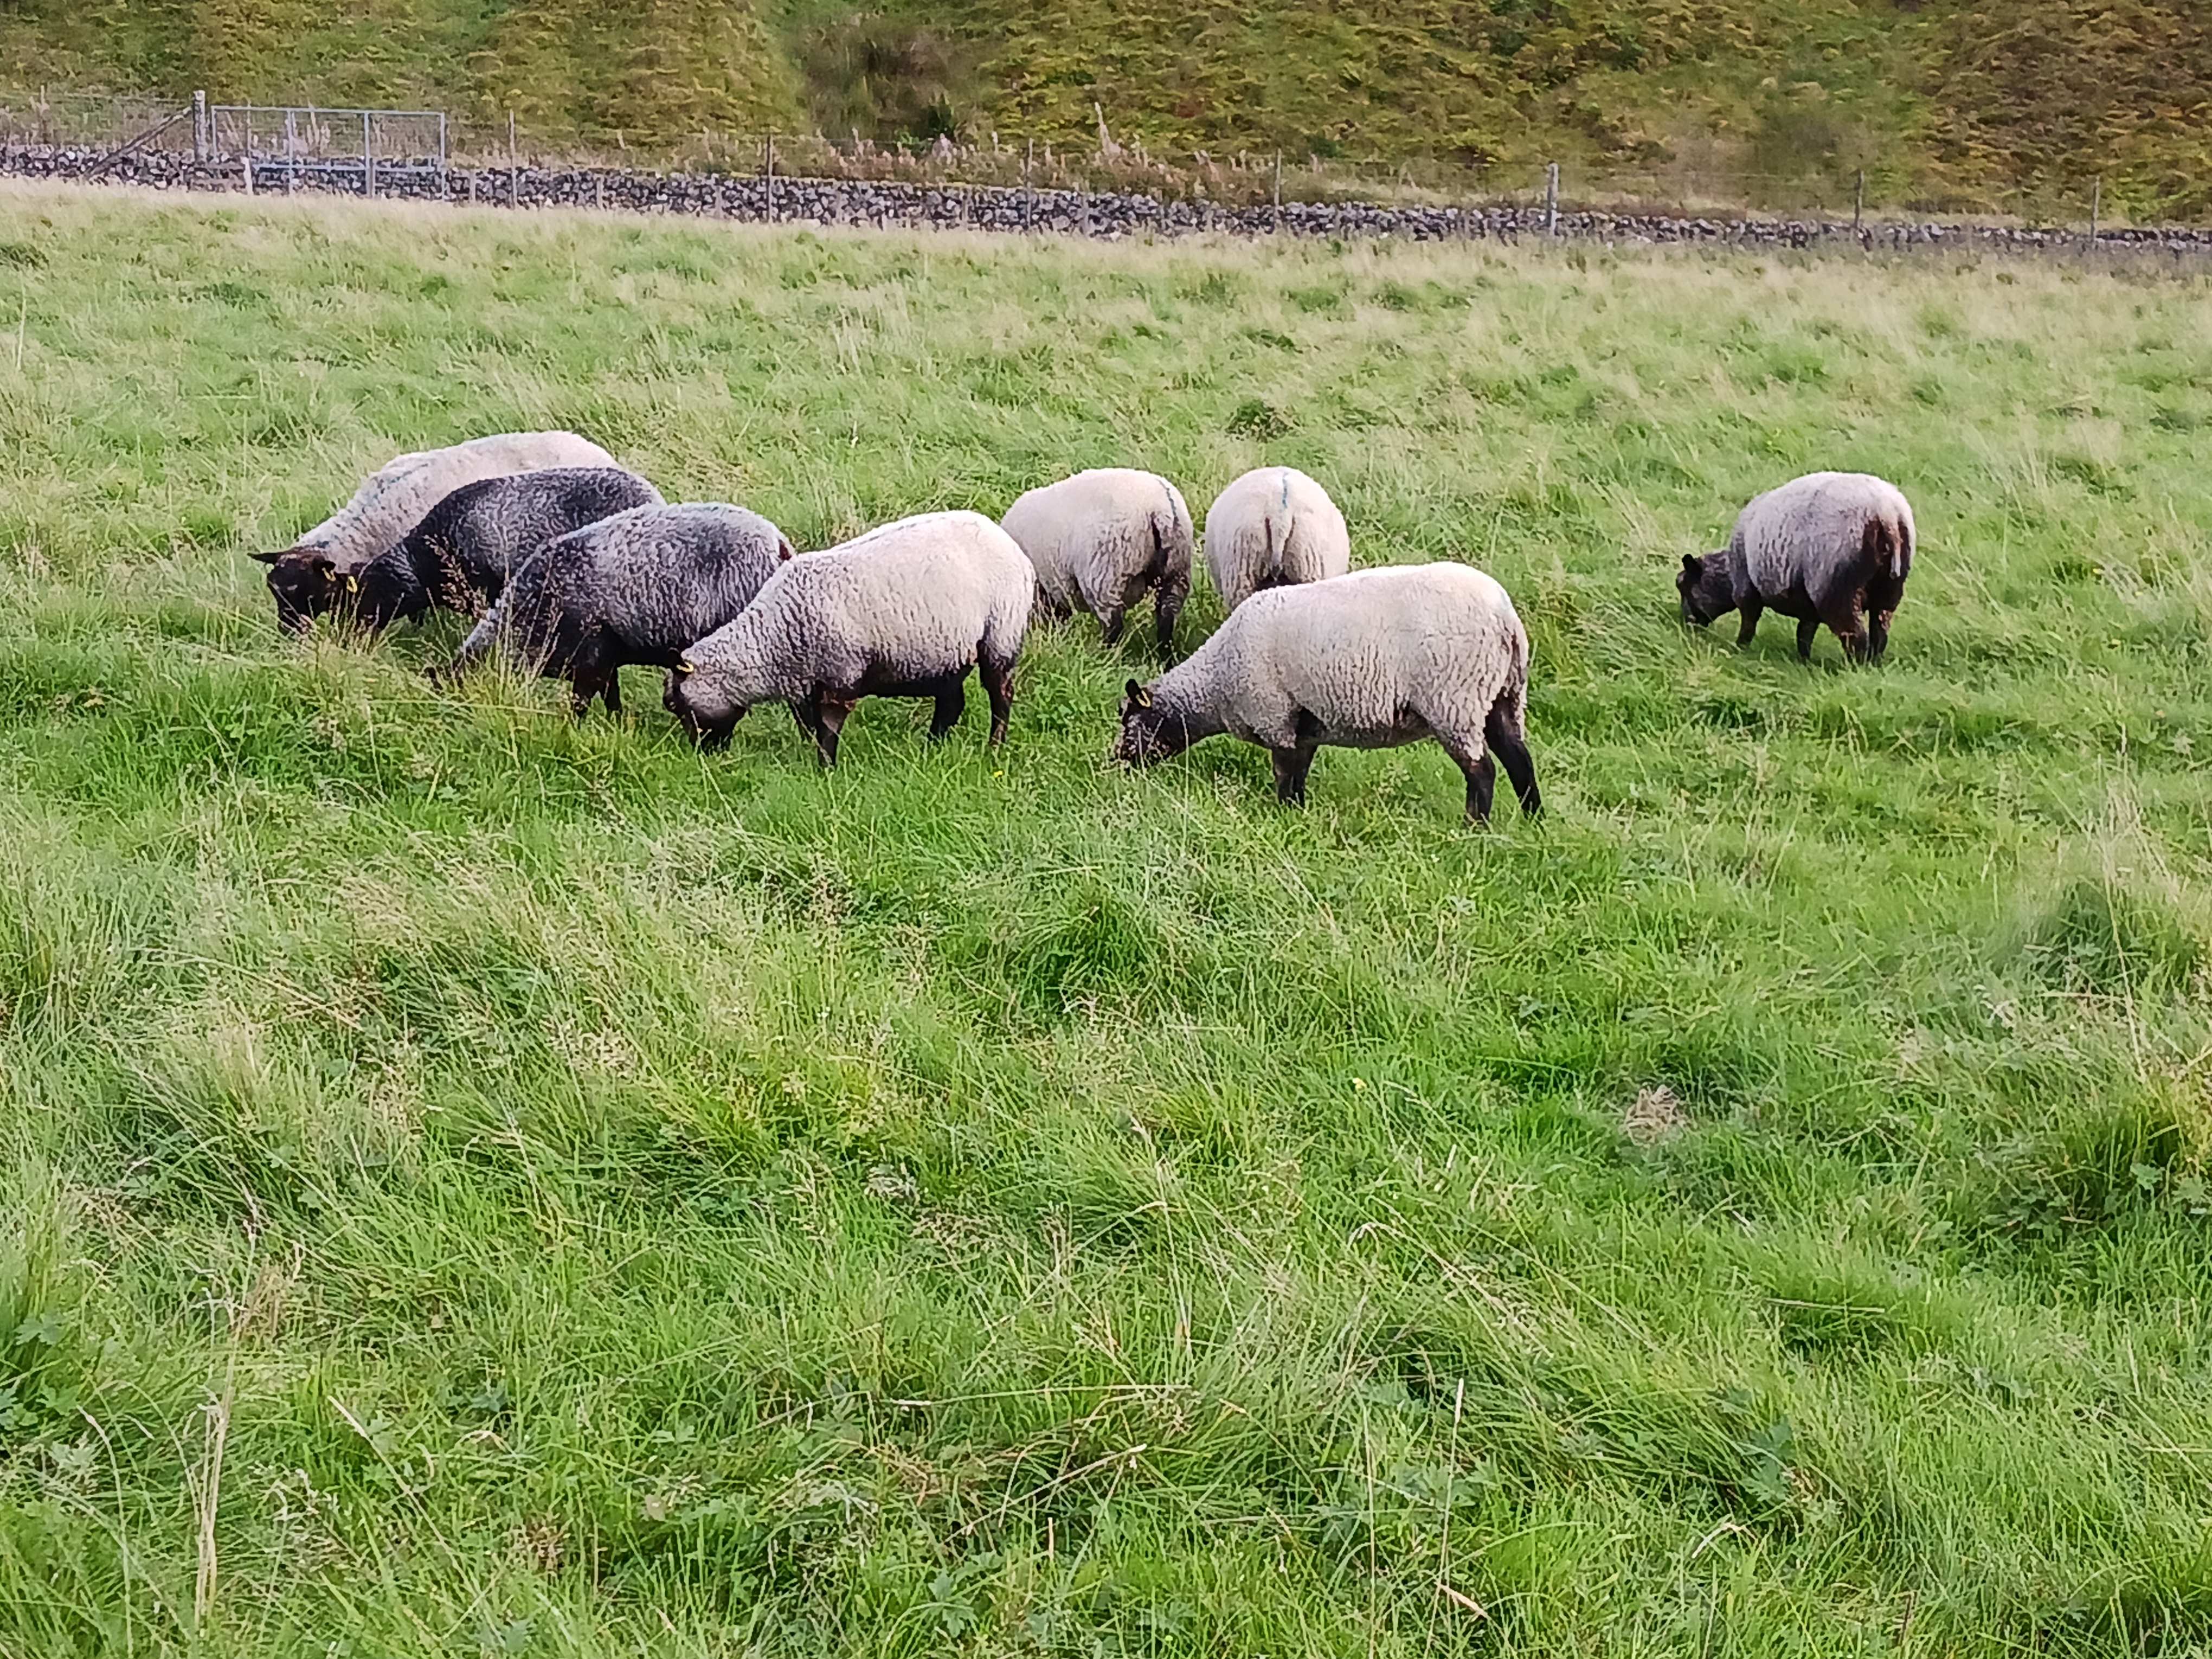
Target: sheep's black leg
{"x": 1849, "y": 626}
{"x": 1165, "y": 610}
{"x": 1510, "y": 745}
{"x": 998, "y": 686}
{"x": 952, "y": 704}
{"x": 1109, "y": 625}
{"x": 610, "y": 689}
{"x": 1882, "y": 595}
{"x": 1748, "y": 626}
{"x": 1474, "y": 763}
{"x": 1481, "y": 786}
{"x": 1807, "y": 630}
{"x": 1292, "y": 765}
{"x": 802, "y": 714}
{"x": 830, "y": 712}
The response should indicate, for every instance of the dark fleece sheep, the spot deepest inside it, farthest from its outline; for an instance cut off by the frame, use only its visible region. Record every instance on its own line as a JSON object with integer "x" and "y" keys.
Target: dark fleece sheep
{"x": 391, "y": 502}
{"x": 462, "y": 554}
{"x": 635, "y": 588}
{"x": 1829, "y": 547}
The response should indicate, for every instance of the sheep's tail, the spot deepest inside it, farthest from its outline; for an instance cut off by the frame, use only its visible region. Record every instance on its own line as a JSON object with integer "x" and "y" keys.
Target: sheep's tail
{"x": 1888, "y": 543}
{"x": 1278, "y": 547}
{"x": 1512, "y": 699}
{"x": 1162, "y": 554}
{"x": 1006, "y": 625}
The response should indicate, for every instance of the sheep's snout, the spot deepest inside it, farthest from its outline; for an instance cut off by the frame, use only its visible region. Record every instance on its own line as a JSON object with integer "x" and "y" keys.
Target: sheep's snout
{"x": 707, "y": 717}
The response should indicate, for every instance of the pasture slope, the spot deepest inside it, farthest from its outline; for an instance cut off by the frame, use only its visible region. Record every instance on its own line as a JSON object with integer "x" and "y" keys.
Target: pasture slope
{"x": 473, "y": 1183}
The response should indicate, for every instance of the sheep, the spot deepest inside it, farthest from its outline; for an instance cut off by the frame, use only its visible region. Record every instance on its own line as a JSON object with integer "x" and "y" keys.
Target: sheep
{"x": 463, "y": 552}
{"x": 635, "y": 588}
{"x": 1272, "y": 528}
{"x": 1368, "y": 660}
{"x": 903, "y": 611}
{"x": 1102, "y": 539}
{"x": 391, "y": 502}
{"x": 1829, "y": 547}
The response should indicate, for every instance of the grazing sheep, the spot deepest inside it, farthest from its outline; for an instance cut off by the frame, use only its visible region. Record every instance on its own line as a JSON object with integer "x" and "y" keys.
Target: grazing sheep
{"x": 1270, "y": 529}
{"x": 1829, "y": 547}
{"x": 635, "y": 588}
{"x": 1370, "y": 660}
{"x": 903, "y": 612}
{"x": 1104, "y": 538}
{"x": 463, "y": 552}
{"x": 391, "y": 502}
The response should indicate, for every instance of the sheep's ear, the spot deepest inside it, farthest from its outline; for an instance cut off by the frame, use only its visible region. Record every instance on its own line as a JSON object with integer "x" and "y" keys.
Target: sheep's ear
{"x": 276, "y": 557}
{"x": 685, "y": 666}
{"x": 783, "y": 550}
{"x": 1690, "y": 564}
{"x": 1138, "y": 697}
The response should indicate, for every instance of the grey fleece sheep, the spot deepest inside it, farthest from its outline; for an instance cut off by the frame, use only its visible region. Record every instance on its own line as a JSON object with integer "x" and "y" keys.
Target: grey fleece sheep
{"x": 1270, "y": 529}
{"x": 1829, "y": 547}
{"x": 635, "y": 588}
{"x": 903, "y": 612}
{"x": 1370, "y": 660}
{"x": 462, "y": 554}
{"x": 1102, "y": 540}
{"x": 392, "y": 500}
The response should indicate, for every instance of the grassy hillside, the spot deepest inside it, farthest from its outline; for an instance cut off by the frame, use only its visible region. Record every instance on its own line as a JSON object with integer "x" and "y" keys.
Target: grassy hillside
{"x": 1994, "y": 102}
{"x": 474, "y": 1182}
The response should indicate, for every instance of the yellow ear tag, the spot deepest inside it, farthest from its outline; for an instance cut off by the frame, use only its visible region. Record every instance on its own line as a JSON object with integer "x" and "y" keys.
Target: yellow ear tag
{"x": 1144, "y": 700}
{"x": 684, "y": 665}
{"x": 352, "y": 584}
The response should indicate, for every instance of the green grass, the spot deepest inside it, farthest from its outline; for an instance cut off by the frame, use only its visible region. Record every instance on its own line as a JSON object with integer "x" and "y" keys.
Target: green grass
{"x": 617, "y": 1201}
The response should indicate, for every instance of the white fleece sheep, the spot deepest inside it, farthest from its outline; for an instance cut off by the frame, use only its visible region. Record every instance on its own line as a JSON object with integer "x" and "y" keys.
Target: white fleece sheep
{"x": 392, "y": 500}
{"x": 903, "y": 612}
{"x": 1368, "y": 660}
{"x": 1829, "y": 547}
{"x": 1102, "y": 539}
{"x": 1270, "y": 529}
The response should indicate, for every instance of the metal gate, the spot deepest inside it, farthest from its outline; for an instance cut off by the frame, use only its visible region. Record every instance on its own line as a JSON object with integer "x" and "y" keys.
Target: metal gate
{"x": 279, "y": 145}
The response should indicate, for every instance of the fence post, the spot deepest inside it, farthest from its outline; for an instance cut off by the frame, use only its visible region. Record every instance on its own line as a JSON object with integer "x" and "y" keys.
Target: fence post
{"x": 1275, "y": 221}
{"x": 2096, "y": 203}
{"x": 475, "y": 173}
{"x": 199, "y": 128}
{"x": 768, "y": 171}
{"x": 1858, "y": 205}
{"x": 1552, "y": 199}
{"x": 248, "y": 173}
{"x": 368, "y": 158}
{"x": 599, "y": 190}
{"x": 445, "y": 191}
{"x": 1028, "y": 186}
{"x": 514, "y": 166}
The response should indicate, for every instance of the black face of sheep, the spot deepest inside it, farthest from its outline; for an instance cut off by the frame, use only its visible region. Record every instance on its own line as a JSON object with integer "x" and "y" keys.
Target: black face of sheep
{"x": 304, "y": 584}
{"x": 1149, "y": 733}
{"x": 382, "y": 594}
{"x": 706, "y": 714}
{"x": 1705, "y": 589}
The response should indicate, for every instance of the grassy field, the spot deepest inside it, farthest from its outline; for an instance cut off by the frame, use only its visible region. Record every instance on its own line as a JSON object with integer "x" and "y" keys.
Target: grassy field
{"x": 475, "y": 1183}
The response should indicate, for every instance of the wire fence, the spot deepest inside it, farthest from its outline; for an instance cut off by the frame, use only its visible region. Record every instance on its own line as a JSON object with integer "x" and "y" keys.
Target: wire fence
{"x": 358, "y": 149}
